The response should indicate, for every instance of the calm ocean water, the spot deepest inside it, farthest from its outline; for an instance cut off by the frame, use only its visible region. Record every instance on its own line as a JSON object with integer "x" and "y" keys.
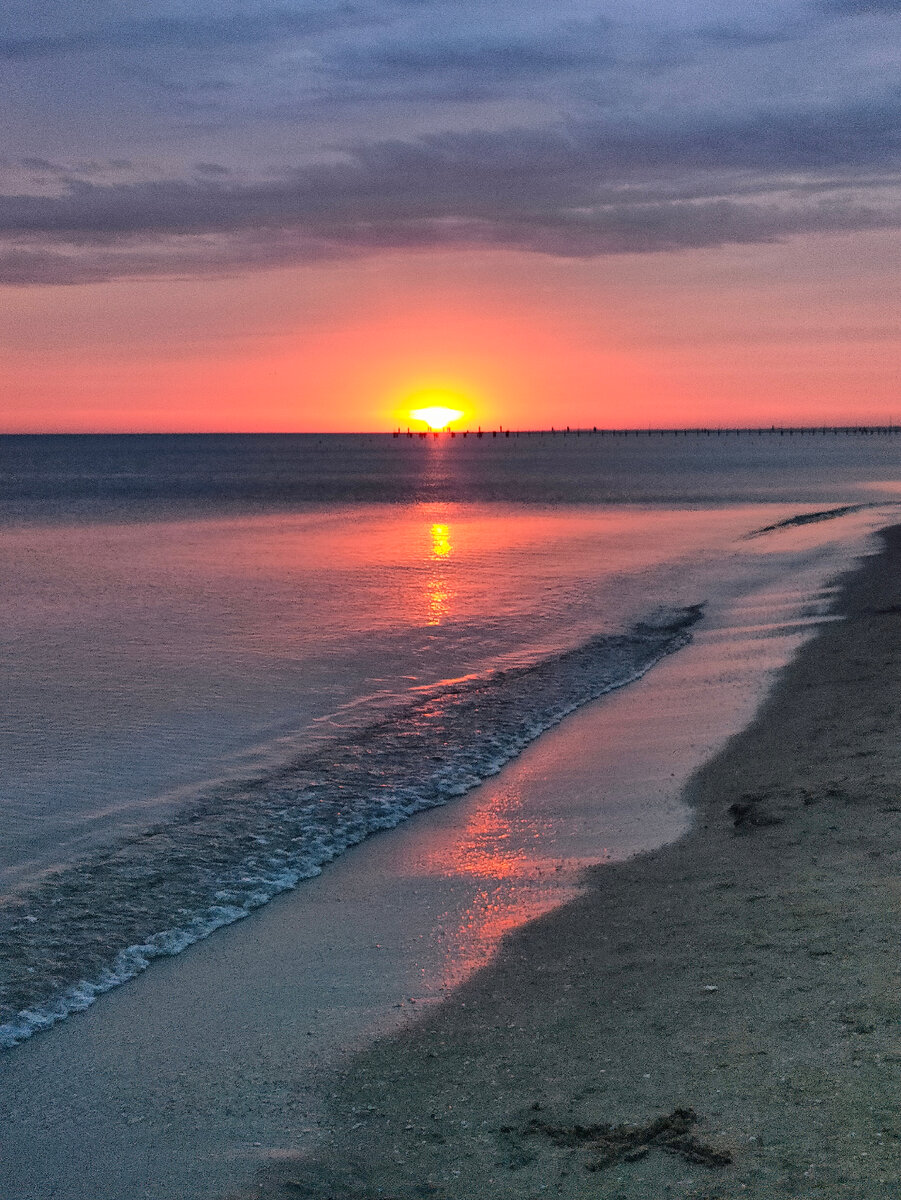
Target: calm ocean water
{"x": 228, "y": 658}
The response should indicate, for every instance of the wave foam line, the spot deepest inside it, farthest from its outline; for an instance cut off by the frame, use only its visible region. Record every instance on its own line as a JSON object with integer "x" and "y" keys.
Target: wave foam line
{"x": 103, "y": 920}
{"x": 810, "y": 518}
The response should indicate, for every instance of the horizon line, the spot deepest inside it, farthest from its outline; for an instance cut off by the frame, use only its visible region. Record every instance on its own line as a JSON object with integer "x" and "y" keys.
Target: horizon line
{"x": 404, "y": 431}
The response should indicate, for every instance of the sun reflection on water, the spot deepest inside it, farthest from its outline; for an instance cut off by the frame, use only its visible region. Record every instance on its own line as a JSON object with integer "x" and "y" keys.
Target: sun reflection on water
{"x": 508, "y": 855}
{"x": 441, "y": 543}
{"x": 438, "y": 588}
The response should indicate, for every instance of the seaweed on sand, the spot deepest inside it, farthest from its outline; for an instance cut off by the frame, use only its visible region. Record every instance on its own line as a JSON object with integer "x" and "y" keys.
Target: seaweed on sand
{"x": 609, "y": 1144}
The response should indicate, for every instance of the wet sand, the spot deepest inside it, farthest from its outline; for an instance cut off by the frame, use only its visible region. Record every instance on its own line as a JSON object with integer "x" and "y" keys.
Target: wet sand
{"x": 719, "y": 1018}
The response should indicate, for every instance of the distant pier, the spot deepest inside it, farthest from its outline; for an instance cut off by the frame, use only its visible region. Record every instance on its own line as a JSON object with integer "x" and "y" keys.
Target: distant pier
{"x": 697, "y": 432}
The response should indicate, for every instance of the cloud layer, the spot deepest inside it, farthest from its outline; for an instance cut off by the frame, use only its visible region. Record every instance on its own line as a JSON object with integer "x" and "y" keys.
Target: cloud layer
{"x": 571, "y": 137}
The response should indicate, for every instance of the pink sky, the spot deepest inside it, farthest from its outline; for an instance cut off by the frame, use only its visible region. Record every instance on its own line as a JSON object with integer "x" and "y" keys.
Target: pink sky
{"x": 801, "y": 332}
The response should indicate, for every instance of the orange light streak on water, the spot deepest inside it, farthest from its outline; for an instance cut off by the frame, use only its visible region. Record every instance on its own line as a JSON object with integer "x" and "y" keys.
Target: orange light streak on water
{"x": 503, "y": 844}
{"x": 439, "y": 591}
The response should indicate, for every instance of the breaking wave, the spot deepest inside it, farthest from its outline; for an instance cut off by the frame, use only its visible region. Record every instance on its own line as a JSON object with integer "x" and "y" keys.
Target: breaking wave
{"x": 100, "y": 922}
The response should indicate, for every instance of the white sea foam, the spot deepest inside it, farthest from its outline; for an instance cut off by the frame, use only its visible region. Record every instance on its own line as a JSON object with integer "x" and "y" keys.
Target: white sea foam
{"x": 85, "y": 929}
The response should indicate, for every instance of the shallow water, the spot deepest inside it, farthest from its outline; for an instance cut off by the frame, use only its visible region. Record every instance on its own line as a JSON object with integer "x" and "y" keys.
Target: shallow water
{"x": 186, "y": 1081}
{"x": 196, "y": 641}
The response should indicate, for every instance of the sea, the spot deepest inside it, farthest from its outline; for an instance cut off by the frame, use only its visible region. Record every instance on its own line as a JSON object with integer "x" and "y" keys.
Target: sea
{"x": 227, "y": 659}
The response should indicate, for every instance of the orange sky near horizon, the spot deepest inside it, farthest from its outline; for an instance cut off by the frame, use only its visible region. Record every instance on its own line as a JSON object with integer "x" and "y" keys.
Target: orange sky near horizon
{"x": 803, "y": 332}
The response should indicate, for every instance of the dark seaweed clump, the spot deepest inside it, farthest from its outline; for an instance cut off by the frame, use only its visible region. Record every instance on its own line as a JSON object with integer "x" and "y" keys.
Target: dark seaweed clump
{"x": 610, "y": 1144}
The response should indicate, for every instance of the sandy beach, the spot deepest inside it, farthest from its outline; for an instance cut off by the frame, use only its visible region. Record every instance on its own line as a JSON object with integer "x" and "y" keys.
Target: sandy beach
{"x": 710, "y": 1019}
{"x": 717, "y": 1019}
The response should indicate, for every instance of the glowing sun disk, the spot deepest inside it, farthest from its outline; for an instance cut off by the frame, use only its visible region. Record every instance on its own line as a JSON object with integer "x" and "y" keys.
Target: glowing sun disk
{"x": 436, "y": 416}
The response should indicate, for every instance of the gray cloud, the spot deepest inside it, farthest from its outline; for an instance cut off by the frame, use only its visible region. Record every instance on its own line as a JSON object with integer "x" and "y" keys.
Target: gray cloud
{"x": 476, "y": 174}
{"x": 483, "y": 56}
{"x": 42, "y": 164}
{"x": 582, "y": 190}
{"x": 200, "y": 34}
{"x": 688, "y": 149}
{"x": 625, "y": 228}
{"x": 843, "y": 7}
{"x": 476, "y": 64}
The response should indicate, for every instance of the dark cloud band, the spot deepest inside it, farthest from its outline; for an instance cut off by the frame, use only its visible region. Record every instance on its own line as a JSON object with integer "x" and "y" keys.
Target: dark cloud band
{"x": 236, "y": 29}
{"x": 634, "y": 179}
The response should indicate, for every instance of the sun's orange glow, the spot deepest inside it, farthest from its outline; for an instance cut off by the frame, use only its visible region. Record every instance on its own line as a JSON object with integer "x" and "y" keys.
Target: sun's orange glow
{"x": 697, "y": 339}
{"x": 436, "y": 416}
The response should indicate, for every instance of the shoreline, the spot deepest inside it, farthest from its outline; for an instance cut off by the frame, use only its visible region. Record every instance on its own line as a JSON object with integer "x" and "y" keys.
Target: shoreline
{"x": 186, "y": 1081}
{"x": 745, "y": 976}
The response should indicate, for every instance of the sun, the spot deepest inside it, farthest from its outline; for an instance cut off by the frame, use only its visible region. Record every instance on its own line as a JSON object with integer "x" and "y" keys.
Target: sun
{"x": 437, "y": 405}
{"x": 436, "y": 416}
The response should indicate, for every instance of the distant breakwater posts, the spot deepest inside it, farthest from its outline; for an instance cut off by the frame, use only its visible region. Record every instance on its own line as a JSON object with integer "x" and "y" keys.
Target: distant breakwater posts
{"x": 700, "y": 432}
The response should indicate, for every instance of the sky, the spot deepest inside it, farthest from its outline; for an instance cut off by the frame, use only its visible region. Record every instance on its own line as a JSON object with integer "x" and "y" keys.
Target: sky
{"x": 311, "y": 215}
